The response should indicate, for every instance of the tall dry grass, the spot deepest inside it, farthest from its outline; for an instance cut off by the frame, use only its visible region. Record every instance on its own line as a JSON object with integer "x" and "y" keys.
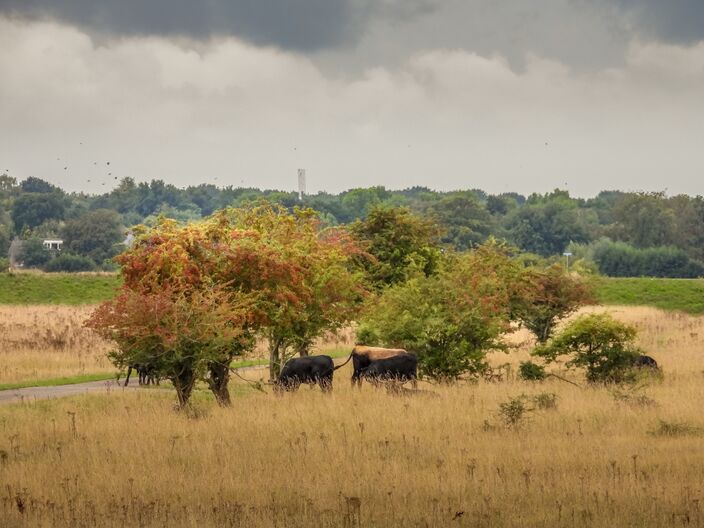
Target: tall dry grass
{"x": 40, "y": 342}
{"x": 601, "y": 458}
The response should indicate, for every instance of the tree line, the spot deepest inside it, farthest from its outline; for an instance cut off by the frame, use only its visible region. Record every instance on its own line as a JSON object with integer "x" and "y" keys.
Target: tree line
{"x": 615, "y": 233}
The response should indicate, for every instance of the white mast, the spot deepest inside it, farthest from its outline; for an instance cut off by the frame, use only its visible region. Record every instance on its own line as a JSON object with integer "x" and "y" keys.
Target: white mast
{"x": 301, "y": 183}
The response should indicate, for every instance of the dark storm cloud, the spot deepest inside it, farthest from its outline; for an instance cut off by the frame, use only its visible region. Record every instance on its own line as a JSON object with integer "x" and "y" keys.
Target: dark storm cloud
{"x": 292, "y": 24}
{"x": 577, "y": 32}
{"x": 680, "y": 21}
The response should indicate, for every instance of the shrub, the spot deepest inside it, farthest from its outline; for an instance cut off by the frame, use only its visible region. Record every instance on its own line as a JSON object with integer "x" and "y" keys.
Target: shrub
{"x": 633, "y": 399}
{"x": 598, "y": 343}
{"x": 530, "y": 371}
{"x": 69, "y": 263}
{"x": 4, "y": 265}
{"x": 665, "y": 428}
{"x": 513, "y": 412}
{"x": 545, "y": 400}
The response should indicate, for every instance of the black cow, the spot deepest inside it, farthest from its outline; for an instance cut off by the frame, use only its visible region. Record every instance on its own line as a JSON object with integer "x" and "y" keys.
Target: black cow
{"x": 147, "y": 374}
{"x": 362, "y": 356}
{"x": 643, "y": 361}
{"x": 399, "y": 368}
{"x": 307, "y": 369}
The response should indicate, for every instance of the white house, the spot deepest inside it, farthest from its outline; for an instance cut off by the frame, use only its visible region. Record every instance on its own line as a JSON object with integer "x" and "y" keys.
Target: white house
{"x": 53, "y": 244}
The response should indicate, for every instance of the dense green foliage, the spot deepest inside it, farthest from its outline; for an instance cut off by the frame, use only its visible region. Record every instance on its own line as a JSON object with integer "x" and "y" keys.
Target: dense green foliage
{"x": 69, "y": 263}
{"x": 33, "y": 253}
{"x": 450, "y": 319}
{"x": 598, "y": 343}
{"x": 57, "y": 288}
{"x": 400, "y": 243}
{"x": 544, "y": 224}
{"x": 94, "y": 235}
{"x": 618, "y": 259}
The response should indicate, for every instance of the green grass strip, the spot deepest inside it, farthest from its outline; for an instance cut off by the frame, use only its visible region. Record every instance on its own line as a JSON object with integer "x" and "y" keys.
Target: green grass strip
{"x": 684, "y": 295}
{"x": 57, "y": 288}
{"x": 52, "y": 382}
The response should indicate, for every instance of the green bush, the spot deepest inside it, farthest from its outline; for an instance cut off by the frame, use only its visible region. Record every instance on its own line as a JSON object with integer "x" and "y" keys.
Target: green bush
{"x": 530, "y": 371}
{"x": 604, "y": 347}
{"x": 4, "y": 265}
{"x": 69, "y": 263}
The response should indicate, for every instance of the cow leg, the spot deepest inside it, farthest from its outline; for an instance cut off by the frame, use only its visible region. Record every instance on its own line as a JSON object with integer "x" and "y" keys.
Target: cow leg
{"x": 356, "y": 379}
{"x": 127, "y": 379}
{"x": 325, "y": 384}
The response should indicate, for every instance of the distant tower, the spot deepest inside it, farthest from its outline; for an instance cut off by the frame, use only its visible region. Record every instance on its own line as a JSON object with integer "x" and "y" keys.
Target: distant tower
{"x": 301, "y": 183}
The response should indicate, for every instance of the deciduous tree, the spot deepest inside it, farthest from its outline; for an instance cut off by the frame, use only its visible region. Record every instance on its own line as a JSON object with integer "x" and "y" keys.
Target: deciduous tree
{"x": 400, "y": 243}
{"x": 545, "y": 296}
{"x": 450, "y": 319}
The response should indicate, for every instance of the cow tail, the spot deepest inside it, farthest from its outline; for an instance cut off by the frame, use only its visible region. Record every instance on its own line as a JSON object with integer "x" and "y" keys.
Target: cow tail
{"x": 345, "y": 363}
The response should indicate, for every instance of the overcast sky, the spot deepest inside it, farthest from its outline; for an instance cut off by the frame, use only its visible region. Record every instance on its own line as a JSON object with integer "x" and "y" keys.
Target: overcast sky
{"x": 503, "y": 95}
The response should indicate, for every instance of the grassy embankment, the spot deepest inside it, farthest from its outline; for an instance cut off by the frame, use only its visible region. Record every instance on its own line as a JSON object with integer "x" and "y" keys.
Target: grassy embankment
{"x": 685, "y": 295}
{"x": 25, "y": 288}
{"x": 56, "y": 288}
{"x": 599, "y": 458}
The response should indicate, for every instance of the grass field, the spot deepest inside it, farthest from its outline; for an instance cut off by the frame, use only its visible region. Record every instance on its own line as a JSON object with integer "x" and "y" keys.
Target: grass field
{"x": 56, "y": 288}
{"x": 44, "y": 342}
{"x": 44, "y": 345}
{"x": 599, "y": 457}
{"x": 686, "y": 295}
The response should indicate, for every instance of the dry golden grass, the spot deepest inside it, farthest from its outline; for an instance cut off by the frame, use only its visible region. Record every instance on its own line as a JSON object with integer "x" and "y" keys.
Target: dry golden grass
{"x": 40, "y": 342}
{"x": 367, "y": 458}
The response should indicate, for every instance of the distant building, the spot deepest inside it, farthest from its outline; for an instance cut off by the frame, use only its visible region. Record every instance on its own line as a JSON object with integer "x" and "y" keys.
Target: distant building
{"x": 53, "y": 244}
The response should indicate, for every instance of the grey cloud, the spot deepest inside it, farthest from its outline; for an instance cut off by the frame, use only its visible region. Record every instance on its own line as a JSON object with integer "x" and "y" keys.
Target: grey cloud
{"x": 354, "y": 34}
{"x": 292, "y": 24}
{"x": 680, "y": 21}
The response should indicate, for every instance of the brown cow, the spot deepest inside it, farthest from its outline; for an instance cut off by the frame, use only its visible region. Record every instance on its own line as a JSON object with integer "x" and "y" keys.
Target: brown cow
{"x": 362, "y": 356}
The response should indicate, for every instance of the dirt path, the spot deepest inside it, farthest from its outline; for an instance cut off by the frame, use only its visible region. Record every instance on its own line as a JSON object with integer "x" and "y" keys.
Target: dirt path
{"x": 29, "y": 394}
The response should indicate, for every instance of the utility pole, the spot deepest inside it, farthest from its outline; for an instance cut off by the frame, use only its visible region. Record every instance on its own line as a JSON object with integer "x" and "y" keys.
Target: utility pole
{"x": 567, "y": 255}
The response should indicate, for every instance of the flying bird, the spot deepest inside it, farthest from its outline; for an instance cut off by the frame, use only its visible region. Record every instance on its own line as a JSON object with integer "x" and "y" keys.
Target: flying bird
{"x": 108, "y": 163}
{"x": 65, "y": 168}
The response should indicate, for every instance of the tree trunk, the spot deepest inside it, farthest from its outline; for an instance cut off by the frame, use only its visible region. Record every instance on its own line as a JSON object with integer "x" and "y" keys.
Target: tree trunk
{"x": 274, "y": 359}
{"x": 184, "y": 383}
{"x": 219, "y": 378}
{"x": 303, "y": 349}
